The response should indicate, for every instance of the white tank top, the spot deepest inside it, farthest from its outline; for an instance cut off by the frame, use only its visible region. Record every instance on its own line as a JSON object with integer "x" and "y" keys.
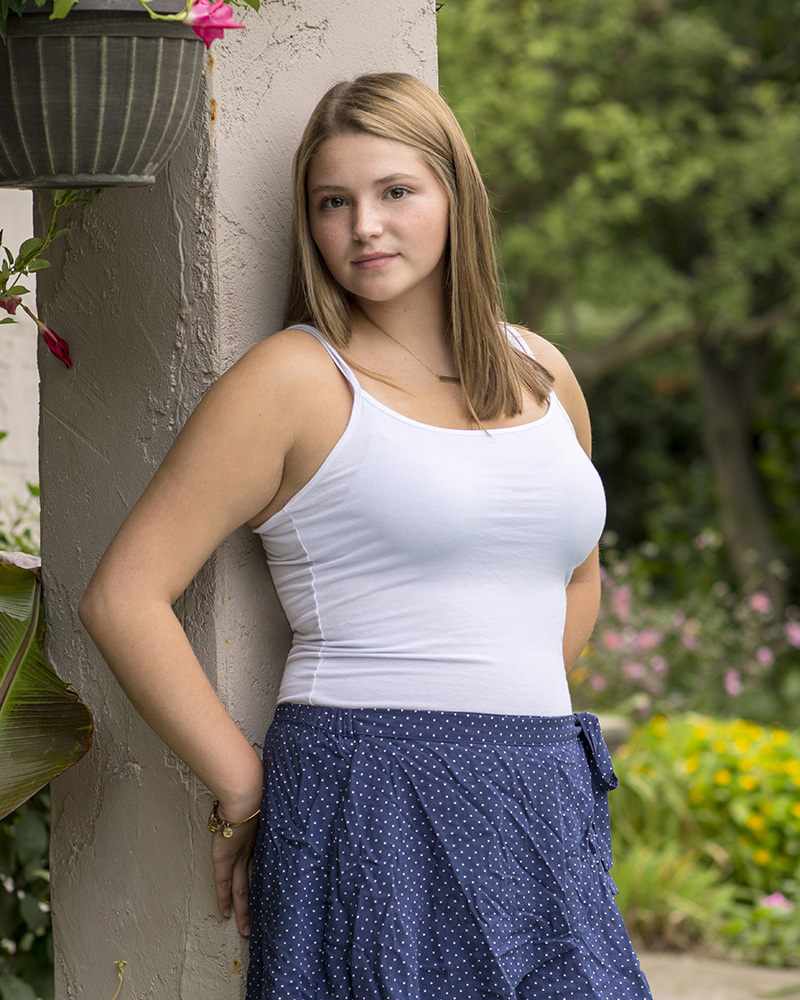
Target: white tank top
{"x": 425, "y": 567}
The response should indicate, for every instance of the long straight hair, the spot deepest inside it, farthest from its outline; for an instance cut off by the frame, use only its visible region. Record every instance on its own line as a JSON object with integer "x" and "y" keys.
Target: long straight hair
{"x": 400, "y": 107}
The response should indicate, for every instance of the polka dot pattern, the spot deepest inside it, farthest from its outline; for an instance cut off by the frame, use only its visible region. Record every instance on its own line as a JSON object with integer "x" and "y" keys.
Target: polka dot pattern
{"x": 424, "y": 855}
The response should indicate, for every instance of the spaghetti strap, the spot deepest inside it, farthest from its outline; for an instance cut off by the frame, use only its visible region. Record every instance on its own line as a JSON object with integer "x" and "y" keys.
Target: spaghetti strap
{"x": 338, "y": 360}
{"x": 518, "y": 340}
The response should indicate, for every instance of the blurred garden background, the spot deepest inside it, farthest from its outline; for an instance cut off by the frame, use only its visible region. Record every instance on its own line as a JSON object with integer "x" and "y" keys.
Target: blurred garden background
{"x": 642, "y": 158}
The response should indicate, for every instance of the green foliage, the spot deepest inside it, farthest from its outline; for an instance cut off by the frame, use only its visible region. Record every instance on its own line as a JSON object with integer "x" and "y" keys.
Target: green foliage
{"x": 725, "y": 796}
{"x": 19, "y": 527}
{"x": 642, "y": 153}
{"x": 668, "y": 898}
{"x": 26, "y": 944}
{"x": 712, "y": 649}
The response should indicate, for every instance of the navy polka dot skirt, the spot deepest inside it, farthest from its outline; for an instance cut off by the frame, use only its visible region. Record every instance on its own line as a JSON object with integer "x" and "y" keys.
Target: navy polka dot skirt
{"x": 419, "y": 855}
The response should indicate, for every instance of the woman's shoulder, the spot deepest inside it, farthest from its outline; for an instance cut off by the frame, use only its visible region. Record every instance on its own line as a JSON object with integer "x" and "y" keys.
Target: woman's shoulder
{"x": 565, "y": 384}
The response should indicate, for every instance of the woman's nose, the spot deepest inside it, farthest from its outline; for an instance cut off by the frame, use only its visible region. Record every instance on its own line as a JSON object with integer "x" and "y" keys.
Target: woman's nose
{"x": 367, "y": 220}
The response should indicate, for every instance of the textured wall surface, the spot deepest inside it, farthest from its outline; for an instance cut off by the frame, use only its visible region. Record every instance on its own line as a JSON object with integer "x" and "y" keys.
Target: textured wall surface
{"x": 164, "y": 288}
{"x": 19, "y": 380}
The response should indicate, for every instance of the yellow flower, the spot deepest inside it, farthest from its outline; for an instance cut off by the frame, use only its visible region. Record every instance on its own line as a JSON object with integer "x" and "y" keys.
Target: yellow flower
{"x": 723, "y": 776}
{"x": 794, "y": 809}
{"x": 719, "y": 746}
{"x": 755, "y": 823}
{"x": 742, "y": 745}
{"x": 762, "y": 857}
{"x": 691, "y": 764}
{"x": 746, "y": 764}
{"x": 748, "y": 782}
{"x": 780, "y": 737}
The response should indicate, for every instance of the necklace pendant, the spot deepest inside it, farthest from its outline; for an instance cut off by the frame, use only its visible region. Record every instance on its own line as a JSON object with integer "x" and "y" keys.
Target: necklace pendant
{"x": 449, "y": 378}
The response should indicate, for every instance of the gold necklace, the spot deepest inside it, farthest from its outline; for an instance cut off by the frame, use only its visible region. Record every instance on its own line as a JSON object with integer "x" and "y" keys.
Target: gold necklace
{"x": 454, "y": 379}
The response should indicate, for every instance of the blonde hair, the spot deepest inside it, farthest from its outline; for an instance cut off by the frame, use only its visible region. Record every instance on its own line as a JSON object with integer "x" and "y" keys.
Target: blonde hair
{"x": 400, "y": 107}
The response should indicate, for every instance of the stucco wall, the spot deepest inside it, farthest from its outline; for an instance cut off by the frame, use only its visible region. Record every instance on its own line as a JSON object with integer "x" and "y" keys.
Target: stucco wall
{"x": 163, "y": 289}
{"x": 19, "y": 380}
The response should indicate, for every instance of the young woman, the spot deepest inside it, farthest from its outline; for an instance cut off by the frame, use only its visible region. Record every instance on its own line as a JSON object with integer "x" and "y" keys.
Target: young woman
{"x": 434, "y": 823}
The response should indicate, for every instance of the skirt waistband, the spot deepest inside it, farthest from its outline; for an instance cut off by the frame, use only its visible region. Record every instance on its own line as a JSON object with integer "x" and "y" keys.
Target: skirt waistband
{"x": 434, "y": 726}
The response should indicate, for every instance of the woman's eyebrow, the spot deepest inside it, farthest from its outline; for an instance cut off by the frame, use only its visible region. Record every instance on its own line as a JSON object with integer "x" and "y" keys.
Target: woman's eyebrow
{"x": 391, "y": 179}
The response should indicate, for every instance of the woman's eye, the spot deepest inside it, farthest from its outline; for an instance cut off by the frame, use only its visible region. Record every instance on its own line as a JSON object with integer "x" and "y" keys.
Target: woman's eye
{"x": 397, "y": 193}
{"x": 333, "y": 202}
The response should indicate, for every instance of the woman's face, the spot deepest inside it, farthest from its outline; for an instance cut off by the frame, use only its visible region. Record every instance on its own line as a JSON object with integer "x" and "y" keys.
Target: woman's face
{"x": 379, "y": 217}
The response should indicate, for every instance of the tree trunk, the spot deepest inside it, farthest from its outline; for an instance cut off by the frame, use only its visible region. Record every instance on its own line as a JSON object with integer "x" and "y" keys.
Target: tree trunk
{"x": 731, "y": 376}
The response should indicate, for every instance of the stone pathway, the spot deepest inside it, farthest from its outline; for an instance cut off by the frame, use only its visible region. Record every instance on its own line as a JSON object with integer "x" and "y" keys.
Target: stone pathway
{"x": 687, "y": 977}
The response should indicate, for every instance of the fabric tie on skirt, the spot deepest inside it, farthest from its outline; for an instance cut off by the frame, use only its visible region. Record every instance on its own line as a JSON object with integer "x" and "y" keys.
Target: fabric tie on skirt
{"x": 412, "y": 855}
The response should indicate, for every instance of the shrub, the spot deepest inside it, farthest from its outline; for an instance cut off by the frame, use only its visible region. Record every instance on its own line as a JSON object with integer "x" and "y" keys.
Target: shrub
{"x": 713, "y": 652}
{"x": 708, "y": 812}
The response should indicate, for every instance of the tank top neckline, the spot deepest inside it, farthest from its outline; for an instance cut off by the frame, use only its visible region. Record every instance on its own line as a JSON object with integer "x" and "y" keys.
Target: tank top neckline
{"x": 359, "y": 391}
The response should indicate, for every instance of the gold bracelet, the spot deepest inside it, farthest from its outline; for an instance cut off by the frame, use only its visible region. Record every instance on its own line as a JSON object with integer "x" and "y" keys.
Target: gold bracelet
{"x": 216, "y": 824}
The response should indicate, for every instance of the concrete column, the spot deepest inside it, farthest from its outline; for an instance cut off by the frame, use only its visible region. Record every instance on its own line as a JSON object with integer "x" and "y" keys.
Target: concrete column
{"x": 158, "y": 291}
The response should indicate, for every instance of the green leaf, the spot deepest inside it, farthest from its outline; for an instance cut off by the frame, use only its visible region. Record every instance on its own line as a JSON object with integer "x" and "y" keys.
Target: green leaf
{"x": 30, "y": 838}
{"x": 17, "y": 290}
{"x": 61, "y": 8}
{"x": 61, "y": 232}
{"x": 30, "y": 911}
{"x": 39, "y": 265}
{"x": 9, "y": 254}
{"x": 33, "y": 489}
{"x": 30, "y": 247}
{"x": 12, "y": 988}
{"x": 44, "y": 729}
{"x": 8, "y": 319}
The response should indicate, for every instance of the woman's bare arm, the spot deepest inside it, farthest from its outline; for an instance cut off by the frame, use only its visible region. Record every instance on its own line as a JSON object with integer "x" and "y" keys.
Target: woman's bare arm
{"x": 224, "y": 467}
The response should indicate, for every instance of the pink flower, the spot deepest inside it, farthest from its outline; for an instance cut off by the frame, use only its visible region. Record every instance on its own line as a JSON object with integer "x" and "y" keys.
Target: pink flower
{"x": 765, "y": 656}
{"x": 10, "y": 303}
{"x": 209, "y": 20}
{"x": 777, "y": 901}
{"x": 597, "y": 683}
{"x": 611, "y": 639}
{"x": 760, "y": 602}
{"x": 690, "y": 640}
{"x": 633, "y": 671}
{"x": 622, "y": 601}
{"x": 678, "y": 619}
{"x": 55, "y": 344}
{"x": 792, "y": 632}
{"x": 733, "y": 683}
{"x": 648, "y": 638}
{"x": 658, "y": 665}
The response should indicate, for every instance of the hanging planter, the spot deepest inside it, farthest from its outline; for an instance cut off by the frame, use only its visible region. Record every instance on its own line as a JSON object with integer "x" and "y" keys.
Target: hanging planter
{"x": 97, "y": 99}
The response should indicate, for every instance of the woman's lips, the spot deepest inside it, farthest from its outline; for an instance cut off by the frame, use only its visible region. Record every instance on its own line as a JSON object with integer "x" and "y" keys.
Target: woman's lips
{"x": 371, "y": 260}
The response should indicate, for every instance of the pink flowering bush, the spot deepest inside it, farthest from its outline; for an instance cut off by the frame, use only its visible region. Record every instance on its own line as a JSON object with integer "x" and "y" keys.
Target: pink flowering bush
{"x": 714, "y": 651}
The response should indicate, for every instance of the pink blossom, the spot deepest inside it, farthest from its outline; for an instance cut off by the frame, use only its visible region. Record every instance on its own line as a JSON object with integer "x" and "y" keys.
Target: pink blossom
{"x": 792, "y": 632}
{"x": 10, "y": 303}
{"x": 690, "y": 640}
{"x": 658, "y": 665}
{"x": 611, "y": 639}
{"x": 648, "y": 638}
{"x": 55, "y": 344}
{"x": 760, "y": 602}
{"x": 678, "y": 619}
{"x": 633, "y": 671}
{"x": 209, "y": 19}
{"x": 777, "y": 901}
{"x": 765, "y": 656}
{"x": 733, "y": 683}
{"x": 597, "y": 683}
{"x": 622, "y": 602}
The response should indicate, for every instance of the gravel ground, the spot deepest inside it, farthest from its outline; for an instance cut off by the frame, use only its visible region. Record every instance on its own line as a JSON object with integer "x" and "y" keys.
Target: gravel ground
{"x": 687, "y": 977}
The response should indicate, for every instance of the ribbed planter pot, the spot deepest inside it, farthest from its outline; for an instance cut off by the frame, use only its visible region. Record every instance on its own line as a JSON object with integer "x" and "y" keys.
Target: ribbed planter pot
{"x": 98, "y": 99}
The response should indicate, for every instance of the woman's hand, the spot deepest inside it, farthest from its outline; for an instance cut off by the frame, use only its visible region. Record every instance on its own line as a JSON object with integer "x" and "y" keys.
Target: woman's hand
{"x": 232, "y": 858}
